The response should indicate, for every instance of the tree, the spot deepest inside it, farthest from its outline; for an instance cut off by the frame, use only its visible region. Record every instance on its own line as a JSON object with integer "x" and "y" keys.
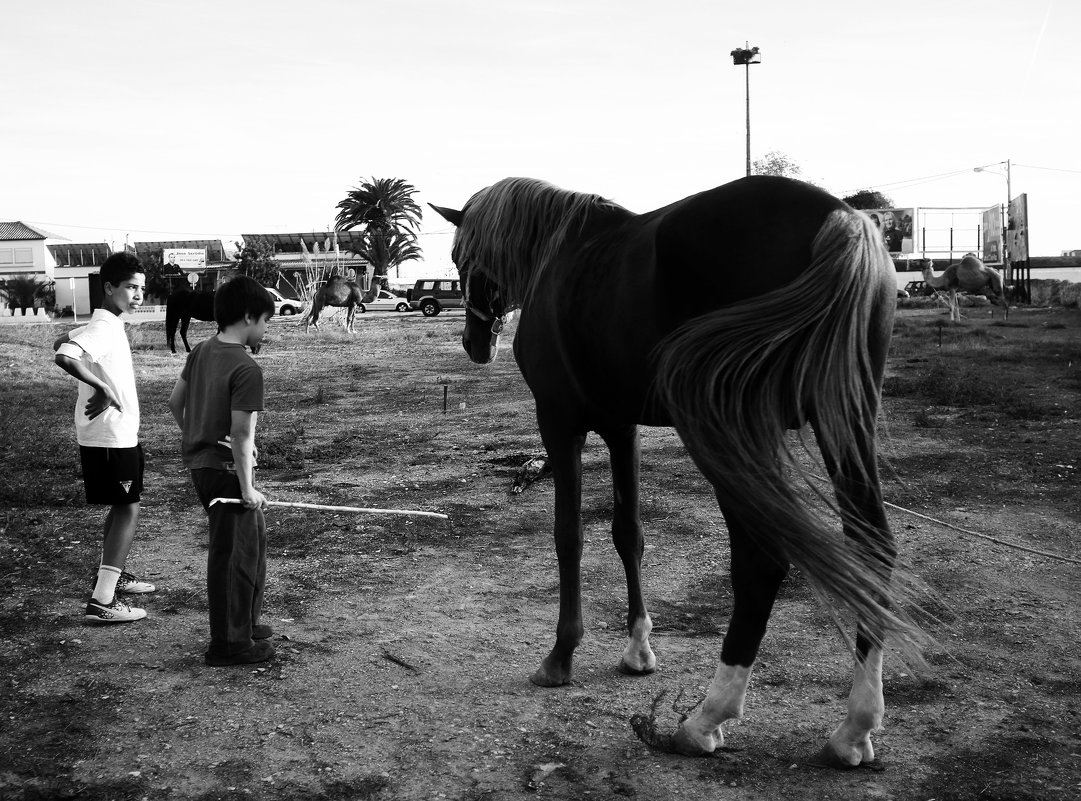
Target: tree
{"x": 777, "y": 163}
{"x": 386, "y": 249}
{"x": 255, "y": 259}
{"x": 21, "y": 291}
{"x": 386, "y": 210}
{"x": 868, "y": 199}
{"x": 158, "y": 284}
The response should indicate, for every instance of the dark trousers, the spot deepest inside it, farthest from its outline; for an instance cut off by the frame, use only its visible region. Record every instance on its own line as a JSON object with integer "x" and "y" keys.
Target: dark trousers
{"x": 235, "y": 562}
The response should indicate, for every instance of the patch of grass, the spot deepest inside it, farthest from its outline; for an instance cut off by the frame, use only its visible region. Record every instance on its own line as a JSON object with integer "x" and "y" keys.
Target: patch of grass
{"x": 924, "y": 419}
{"x": 38, "y": 450}
{"x": 946, "y": 383}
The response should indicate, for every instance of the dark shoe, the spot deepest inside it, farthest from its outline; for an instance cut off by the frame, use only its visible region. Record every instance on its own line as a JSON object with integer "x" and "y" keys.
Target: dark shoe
{"x": 261, "y": 631}
{"x": 260, "y": 652}
{"x": 130, "y": 585}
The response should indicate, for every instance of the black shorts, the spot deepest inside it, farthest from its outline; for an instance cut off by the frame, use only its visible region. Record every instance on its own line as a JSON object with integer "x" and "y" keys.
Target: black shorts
{"x": 112, "y": 476}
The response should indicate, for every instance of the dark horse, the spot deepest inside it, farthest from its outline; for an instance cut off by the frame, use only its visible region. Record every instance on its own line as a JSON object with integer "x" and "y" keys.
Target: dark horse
{"x": 182, "y": 307}
{"x": 787, "y": 321}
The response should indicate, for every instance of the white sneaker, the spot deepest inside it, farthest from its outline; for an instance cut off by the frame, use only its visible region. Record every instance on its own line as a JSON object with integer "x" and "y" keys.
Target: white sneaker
{"x": 116, "y": 611}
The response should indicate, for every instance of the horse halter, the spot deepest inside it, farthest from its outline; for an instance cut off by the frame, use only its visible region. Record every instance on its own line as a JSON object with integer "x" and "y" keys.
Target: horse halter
{"x": 491, "y": 316}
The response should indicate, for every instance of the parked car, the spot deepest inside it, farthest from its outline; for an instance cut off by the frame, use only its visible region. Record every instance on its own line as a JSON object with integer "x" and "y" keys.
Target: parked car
{"x": 385, "y": 301}
{"x": 432, "y": 295}
{"x": 283, "y": 305}
{"x": 918, "y": 289}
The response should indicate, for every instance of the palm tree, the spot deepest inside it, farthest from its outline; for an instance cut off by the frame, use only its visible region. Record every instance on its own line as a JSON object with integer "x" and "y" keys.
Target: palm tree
{"x": 22, "y": 291}
{"x": 385, "y": 208}
{"x": 386, "y": 249}
{"x": 379, "y": 203}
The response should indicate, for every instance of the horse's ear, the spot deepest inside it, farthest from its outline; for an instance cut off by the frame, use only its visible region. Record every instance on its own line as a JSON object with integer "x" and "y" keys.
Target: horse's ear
{"x": 453, "y": 216}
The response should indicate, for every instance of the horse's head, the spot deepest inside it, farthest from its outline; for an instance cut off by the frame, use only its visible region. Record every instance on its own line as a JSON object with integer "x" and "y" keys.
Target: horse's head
{"x": 485, "y": 306}
{"x": 485, "y": 315}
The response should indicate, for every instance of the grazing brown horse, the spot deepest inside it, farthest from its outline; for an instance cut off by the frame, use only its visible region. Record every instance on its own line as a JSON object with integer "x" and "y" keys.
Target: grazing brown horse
{"x": 788, "y": 323}
{"x": 336, "y": 292}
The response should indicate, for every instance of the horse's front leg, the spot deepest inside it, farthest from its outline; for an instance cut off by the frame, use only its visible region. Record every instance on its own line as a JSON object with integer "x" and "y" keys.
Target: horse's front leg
{"x": 565, "y": 456}
{"x": 625, "y": 454}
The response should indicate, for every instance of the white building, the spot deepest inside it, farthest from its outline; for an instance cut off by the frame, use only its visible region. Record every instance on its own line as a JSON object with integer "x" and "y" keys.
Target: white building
{"x": 24, "y": 251}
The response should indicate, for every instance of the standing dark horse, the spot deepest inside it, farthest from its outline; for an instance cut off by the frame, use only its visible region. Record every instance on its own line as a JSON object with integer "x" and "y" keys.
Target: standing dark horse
{"x": 336, "y": 292}
{"x": 181, "y": 307}
{"x": 788, "y": 322}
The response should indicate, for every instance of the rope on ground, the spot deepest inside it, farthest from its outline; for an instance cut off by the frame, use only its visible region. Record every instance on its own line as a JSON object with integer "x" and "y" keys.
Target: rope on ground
{"x": 1008, "y": 544}
{"x": 971, "y": 533}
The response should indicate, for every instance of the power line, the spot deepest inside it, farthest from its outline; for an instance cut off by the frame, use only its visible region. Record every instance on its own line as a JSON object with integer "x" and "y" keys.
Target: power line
{"x": 1052, "y": 169}
{"x": 910, "y": 181}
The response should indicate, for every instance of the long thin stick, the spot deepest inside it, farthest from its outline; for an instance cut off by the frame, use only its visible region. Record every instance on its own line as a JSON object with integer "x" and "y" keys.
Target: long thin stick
{"x": 324, "y": 508}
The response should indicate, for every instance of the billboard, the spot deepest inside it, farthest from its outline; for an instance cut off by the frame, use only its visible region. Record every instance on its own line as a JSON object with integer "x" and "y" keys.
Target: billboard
{"x": 183, "y": 260}
{"x": 896, "y": 226}
{"x": 1017, "y": 233}
{"x": 992, "y": 235}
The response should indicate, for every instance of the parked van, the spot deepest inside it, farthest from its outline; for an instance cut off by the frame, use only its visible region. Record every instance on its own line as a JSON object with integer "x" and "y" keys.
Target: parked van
{"x": 432, "y": 295}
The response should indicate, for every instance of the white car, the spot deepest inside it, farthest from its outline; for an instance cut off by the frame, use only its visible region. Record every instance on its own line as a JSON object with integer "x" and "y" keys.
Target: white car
{"x": 385, "y": 301}
{"x": 285, "y": 306}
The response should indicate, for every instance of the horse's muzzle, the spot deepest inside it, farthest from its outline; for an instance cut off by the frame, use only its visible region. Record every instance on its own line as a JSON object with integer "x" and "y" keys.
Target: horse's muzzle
{"x": 483, "y": 349}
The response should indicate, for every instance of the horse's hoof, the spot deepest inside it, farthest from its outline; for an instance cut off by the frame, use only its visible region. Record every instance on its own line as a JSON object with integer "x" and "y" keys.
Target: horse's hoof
{"x": 547, "y": 677}
{"x": 678, "y": 743}
{"x": 627, "y": 670}
{"x": 848, "y": 759}
{"x": 542, "y": 679}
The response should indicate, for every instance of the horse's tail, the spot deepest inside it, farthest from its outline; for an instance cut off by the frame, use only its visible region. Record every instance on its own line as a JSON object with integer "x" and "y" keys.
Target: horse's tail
{"x": 735, "y": 380}
{"x": 172, "y": 319}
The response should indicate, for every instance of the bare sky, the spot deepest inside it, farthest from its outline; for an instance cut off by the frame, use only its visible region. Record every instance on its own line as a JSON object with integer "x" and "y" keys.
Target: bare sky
{"x": 210, "y": 118}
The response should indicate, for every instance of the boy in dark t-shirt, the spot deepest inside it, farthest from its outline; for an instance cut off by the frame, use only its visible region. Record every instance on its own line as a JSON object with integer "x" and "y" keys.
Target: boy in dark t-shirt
{"x": 215, "y": 402}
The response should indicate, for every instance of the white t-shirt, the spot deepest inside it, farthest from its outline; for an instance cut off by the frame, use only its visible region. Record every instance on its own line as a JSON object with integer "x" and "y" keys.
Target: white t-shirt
{"x": 102, "y": 345}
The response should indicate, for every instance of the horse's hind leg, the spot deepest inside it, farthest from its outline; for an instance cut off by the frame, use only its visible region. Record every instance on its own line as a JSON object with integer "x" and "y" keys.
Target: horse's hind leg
{"x": 756, "y": 574}
{"x": 565, "y": 456}
{"x": 184, "y": 322}
{"x": 624, "y": 450}
{"x": 859, "y": 496}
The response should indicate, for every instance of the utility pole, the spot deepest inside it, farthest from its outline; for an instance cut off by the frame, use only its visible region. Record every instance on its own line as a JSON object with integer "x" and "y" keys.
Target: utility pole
{"x": 747, "y": 56}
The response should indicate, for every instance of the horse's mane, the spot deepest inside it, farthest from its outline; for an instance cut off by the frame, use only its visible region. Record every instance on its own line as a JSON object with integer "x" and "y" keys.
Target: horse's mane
{"x": 512, "y": 229}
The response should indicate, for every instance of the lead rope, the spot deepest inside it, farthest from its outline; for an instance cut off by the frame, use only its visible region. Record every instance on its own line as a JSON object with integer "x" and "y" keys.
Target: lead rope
{"x": 969, "y": 532}
{"x": 1008, "y": 544}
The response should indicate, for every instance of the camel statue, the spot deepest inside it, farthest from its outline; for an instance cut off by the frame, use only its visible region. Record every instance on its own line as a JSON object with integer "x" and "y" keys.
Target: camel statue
{"x": 336, "y": 292}
{"x": 969, "y": 275}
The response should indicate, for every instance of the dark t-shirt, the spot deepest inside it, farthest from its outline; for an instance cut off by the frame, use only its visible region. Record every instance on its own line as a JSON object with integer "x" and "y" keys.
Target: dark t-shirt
{"x": 221, "y": 378}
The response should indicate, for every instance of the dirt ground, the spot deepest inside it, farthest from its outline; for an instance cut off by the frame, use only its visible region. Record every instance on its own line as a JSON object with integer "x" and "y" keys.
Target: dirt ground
{"x": 405, "y": 645}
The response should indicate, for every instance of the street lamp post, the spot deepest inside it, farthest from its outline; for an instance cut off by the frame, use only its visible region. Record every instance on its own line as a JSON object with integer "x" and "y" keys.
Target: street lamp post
{"x": 1005, "y": 209}
{"x": 747, "y": 56}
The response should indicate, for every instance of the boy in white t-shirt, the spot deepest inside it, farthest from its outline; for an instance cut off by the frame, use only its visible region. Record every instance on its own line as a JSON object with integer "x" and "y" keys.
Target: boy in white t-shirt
{"x": 107, "y": 429}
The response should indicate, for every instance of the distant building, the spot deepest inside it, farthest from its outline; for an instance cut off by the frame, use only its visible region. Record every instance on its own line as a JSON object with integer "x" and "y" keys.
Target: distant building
{"x": 329, "y": 254}
{"x": 77, "y": 266}
{"x": 25, "y": 250}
